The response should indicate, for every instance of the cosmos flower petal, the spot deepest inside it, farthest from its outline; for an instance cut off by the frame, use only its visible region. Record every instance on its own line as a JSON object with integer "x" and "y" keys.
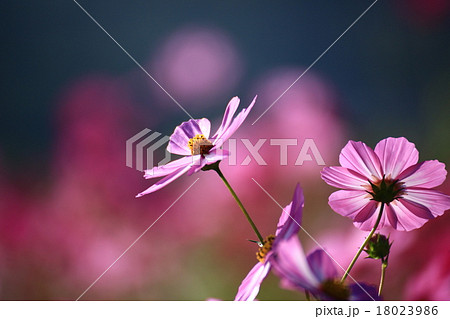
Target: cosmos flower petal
{"x": 291, "y": 265}
{"x": 164, "y": 181}
{"x": 169, "y": 168}
{"x": 415, "y": 208}
{"x": 178, "y": 142}
{"x": 205, "y": 127}
{"x": 237, "y": 122}
{"x": 396, "y": 154}
{"x": 195, "y": 169}
{"x": 227, "y": 116}
{"x": 427, "y": 174}
{"x": 363, "y": 292}
{"x": 366, "y": 218}
{"x": 435, "y": 201}
{"x": 391, "y": 215}
{"x": 322, "y": 265}
{"x": 291, "y": 216}
{"x": 358, "y": 206}
{"x": 400, "y": 215}
{"x": 342, "y": 177}
{"x": 359, "y": 157}
{"x": 348, "y": 202}
{"x": 249, "y": 288}
{"x": 366, "y": 212}
{"x": 210, "y": 158}
{"x": 197, "y": 165}
{"x": 216, "y": 155}
{"x": 287, "y": 227}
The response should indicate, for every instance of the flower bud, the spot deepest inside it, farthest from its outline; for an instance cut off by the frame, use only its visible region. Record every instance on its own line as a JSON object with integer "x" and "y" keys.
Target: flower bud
{"x": 378, "y": 247}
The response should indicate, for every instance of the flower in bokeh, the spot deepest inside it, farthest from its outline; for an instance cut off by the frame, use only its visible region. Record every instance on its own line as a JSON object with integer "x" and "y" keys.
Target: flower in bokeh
{"x": 92, "y": 228}
{"x": 429, "y": 253}
{"x": 315, "y": 273}
{"x": 191, "y": 139}
{"x": 198, "y": 64}
{"x": 388, "y": 175}
{"x": 288, "y": 226}
{"x": 432, "y": 282}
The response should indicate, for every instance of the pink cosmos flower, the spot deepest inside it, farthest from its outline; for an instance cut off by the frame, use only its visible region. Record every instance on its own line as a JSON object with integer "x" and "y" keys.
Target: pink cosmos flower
{"x": 315, "y": 273}
{"x": 191, "y": 139}
{"x": 287, "y": 227}
{"x": 391, "y": 175}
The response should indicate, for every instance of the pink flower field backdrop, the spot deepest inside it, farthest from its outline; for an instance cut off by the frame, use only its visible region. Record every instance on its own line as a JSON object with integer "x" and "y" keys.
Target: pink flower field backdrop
{"x": 289, "y": 178}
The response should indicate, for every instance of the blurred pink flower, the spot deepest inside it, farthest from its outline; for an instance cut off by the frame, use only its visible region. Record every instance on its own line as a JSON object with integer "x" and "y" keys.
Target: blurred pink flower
{"x": 389, "y": 175}
{"x": 432, "y": 282}
{"x": 92, "y": 110}
{"x": 191, "y": 139}
{"x": 287, "y": 227}
{"x": 197, "y": 65}
{"x": 429, "y": 279}
{"x": 90, "y": 212}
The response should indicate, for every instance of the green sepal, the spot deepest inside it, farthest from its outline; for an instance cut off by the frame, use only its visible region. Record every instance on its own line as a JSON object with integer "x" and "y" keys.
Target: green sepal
{"x": 213, "y": 166}
{"x": 378, "y": 247}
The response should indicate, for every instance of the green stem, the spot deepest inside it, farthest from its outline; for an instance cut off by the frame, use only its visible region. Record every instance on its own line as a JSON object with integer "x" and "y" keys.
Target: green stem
{"x": 364, "y": 244}
{"x": 384, "y": 265}
{"x": 217, "y": 169}
{"x": 307, "y": 295}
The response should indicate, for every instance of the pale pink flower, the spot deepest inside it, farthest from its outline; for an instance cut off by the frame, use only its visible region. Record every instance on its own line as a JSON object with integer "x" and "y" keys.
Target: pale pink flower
{"x": 191, "y": 139}
{"x": 391, "y": 175}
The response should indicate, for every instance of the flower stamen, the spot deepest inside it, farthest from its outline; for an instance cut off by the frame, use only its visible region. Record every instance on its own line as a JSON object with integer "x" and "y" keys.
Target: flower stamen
{"x": 200, "y": 145}
{"x": 265, "y": 247}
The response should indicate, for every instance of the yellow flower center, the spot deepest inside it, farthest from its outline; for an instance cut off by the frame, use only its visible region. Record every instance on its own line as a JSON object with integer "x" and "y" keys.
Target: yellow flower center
{"x": 199, "y": 144}
{"x": 335, "y": 289}
{"x": 266, "y": 246}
